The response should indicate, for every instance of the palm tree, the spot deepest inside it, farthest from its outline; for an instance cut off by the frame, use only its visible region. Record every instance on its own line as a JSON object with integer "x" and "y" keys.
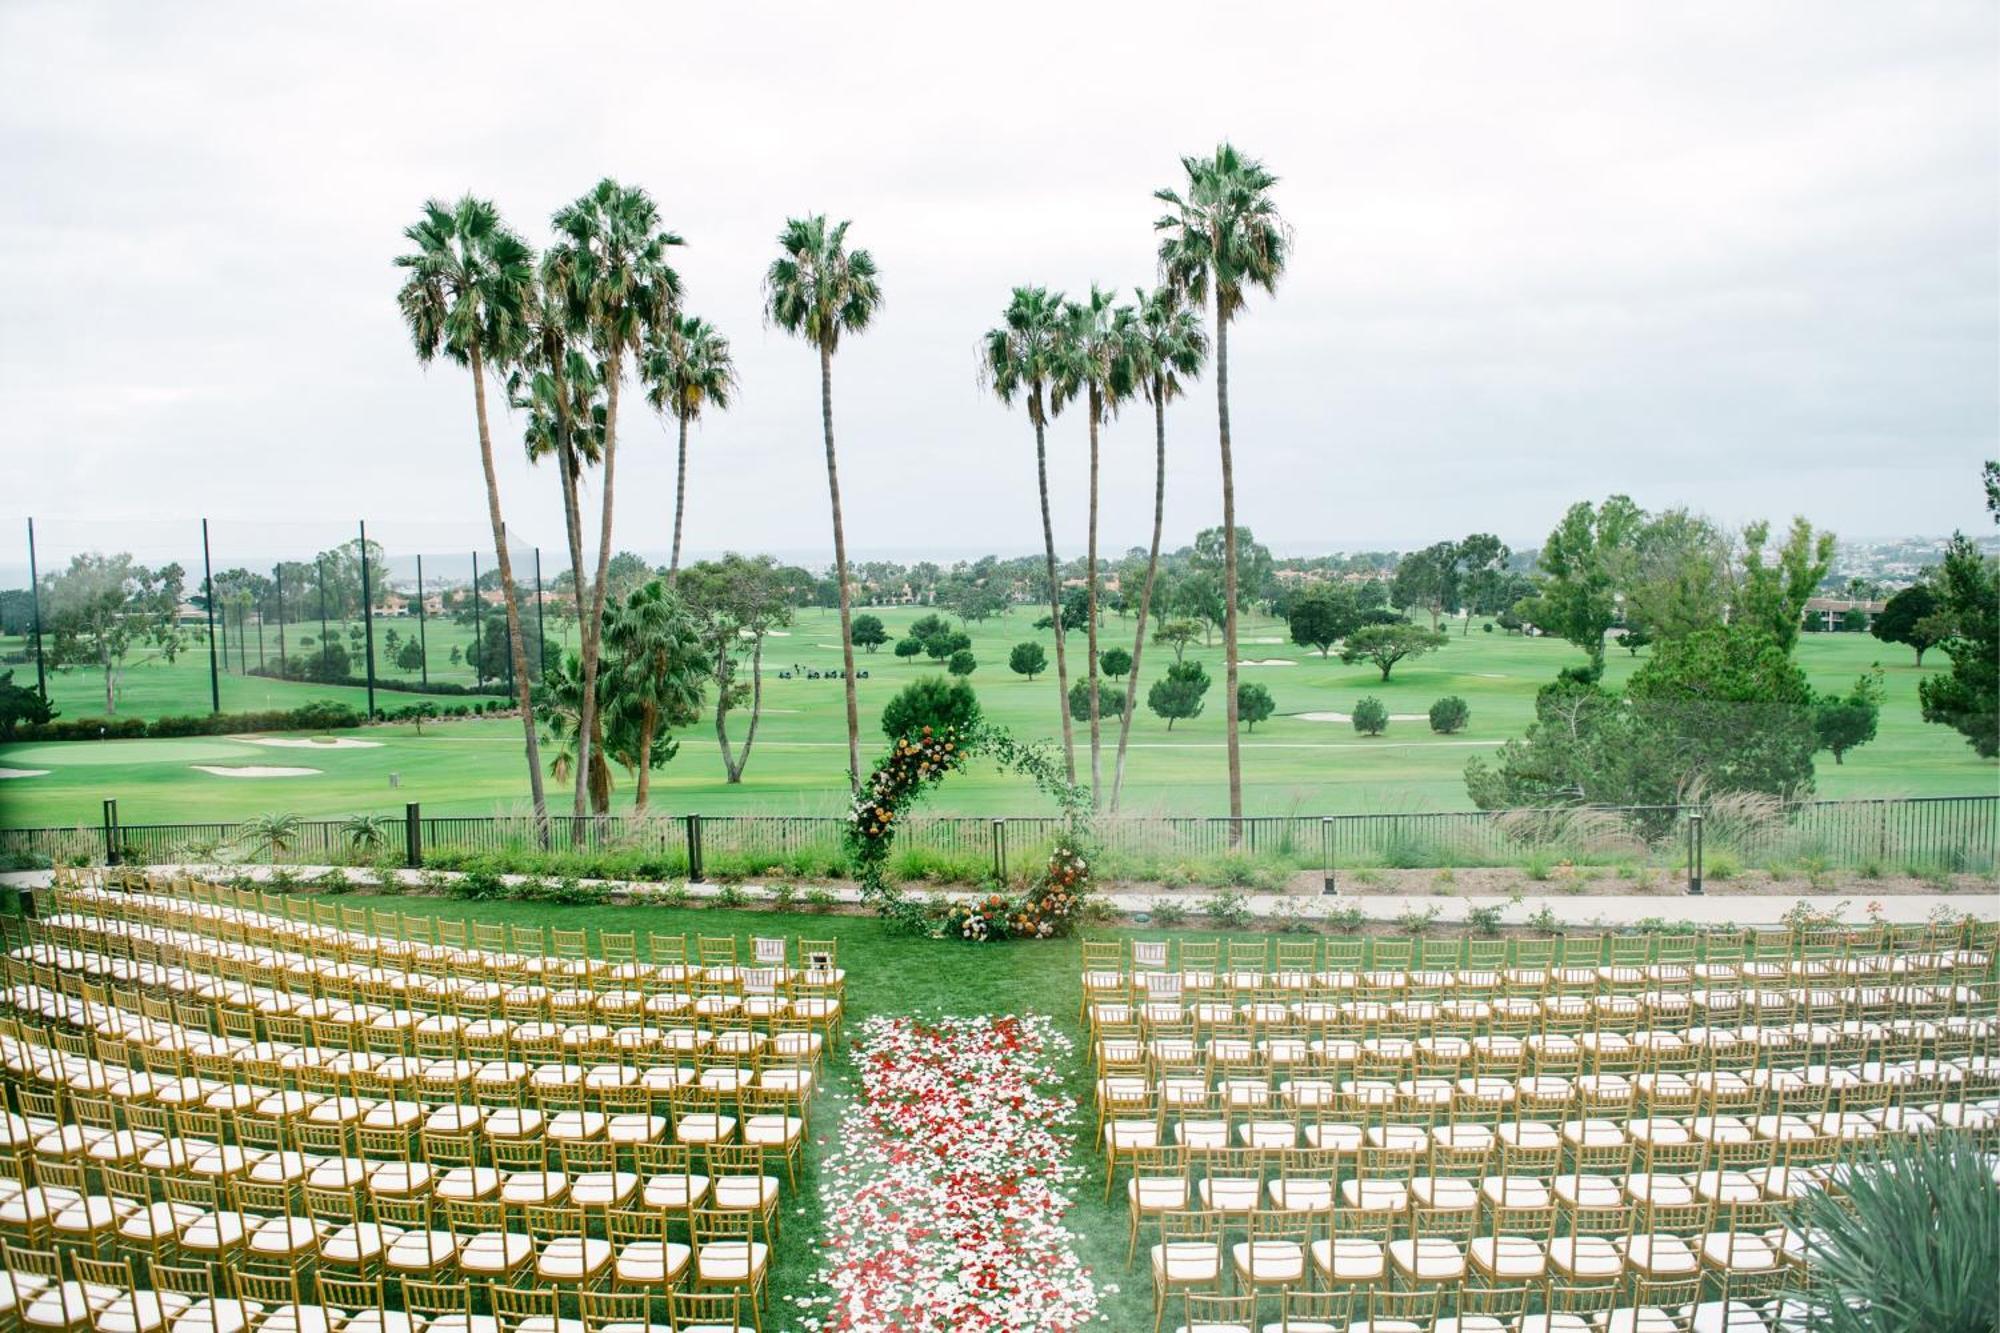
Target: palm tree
{"x": 1166, "y": 343}
{"x": 1023, "y": 357}
{"x": 560, "y": 694}
{"x": 611, "y": 266}
{"x": 660, "y": 668}
{"x": 1094, "y": 360}
{"x": 687, "y": 367}
{"x": 818, "y": 289}
{"x": 468, "y": 284}
{"x": 1223, "y": 236}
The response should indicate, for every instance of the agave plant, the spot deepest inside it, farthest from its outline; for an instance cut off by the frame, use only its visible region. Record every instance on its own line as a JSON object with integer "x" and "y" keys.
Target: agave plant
{"x": 274, "y": 832}
{"x": 1909, "y": 1246}
{"x": 365, "y": 833}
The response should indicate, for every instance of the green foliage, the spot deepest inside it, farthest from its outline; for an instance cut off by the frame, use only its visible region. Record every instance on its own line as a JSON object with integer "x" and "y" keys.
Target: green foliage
{"x": 1168, "y": 913}
{"x": 366, "y": 834}
{"x": 19, "y": 705}
{"x": 1580, "y": 564}
{"x": 869, "y": 632}
{"x": 909, "y": 646}
{"x": 1179, "y": 693}
{"x": 317, "y": 716}
{"x": 1028, "y": 659}
{"x": 103, "y": 610}
{"x": 931, "y": 701}
{"x": 1115, "y": 661}
{"x": 1110, "y": 700}
{"x": 962, "y": 663}
{"x": 1908, "y": 618}
{"x": 1253, "y": 704}
{"x": 1418, "y": 920}
{"x": 1967, "y": 698}
{"x": 1450, "y": 714}
{"x": 1772, "y": 595}
{"x": 819, "y": 899}
{"x": 1230, "y": 911}
{"x": 1323, "y": 615}
{"x": 1386, "y": 645}
{"x": 1177, "y": 635}
{"x": 1842, "y": 722}
{"x": 1907, "y": 1243}
{"x": 1371, "y": 716}
{"x": 275, "y": 833}
{"x": 1484, "y": 920}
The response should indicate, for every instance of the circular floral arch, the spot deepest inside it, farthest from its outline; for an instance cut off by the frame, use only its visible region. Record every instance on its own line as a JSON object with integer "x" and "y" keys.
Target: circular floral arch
{"x": 916, "y": 764}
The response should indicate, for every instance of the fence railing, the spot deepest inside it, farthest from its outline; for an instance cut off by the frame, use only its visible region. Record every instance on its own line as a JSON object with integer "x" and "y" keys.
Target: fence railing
{"x": 1927, "y": 834}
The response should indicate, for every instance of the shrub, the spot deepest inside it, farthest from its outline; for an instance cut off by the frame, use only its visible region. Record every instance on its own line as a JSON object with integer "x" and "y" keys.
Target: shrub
{"x": 1028, "y": 659}
{"x": 1253, "y": 704}
{"x": 1115, "y": 661}
{"x": 1169, "y": 913}
{"x": 1110, "y": 700}
{"x": 1449, "y": 714}
{"x": 1419, "y": 919}
{"x": 730, "y": 896}
{"x": 1484, "y": 920}
{"x": 1371, "y": 716}
{"x": 674, "y": 895}
{"x": 480, "y": 881}
{"x": 1720, "y": 866}
{"x": 1231, "y": 911}
{"x": 934, "y": 702}
{"x": 820, "y": 900}
{"x": 320, "y": 715}
{"x": 962, "y": 663}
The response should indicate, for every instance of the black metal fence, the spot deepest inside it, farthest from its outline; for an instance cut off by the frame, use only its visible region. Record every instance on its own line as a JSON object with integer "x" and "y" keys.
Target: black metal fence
{"x": 1947, "y": 833}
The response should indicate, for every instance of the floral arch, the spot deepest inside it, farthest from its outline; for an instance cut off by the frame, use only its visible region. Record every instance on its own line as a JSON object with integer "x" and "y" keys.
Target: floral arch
{"x": 1049, "y": 907}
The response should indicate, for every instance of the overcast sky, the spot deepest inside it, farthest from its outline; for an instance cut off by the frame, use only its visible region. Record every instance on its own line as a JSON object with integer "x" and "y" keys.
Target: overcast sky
{"x": 1736, "y": 255}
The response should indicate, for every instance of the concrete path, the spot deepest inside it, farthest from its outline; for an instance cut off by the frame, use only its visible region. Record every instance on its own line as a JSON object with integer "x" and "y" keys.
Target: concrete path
{"x": 1610, "y": 911}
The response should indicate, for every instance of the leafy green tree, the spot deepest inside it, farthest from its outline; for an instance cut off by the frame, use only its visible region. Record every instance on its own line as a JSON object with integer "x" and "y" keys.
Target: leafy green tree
{"x": 19, "y": 705}
{"x": 1021, "y": 358}
{"x": 107, "y": 612}
{"x": 1179, "y": 693}
{"x": 1094, "y": 362}
{"x": 940, "y": 647}
{"x": 1386, "y": 645}
{"x": 1028, "y": 659}
{"x": 1116, "y": 662}
{"x": 1225, "y": 236}
{"x": 465, "y": 295}
{"x": 1675, "y": 578}
{"x": 934, "y": 702}
{"x": 1910, "y": 618}
{"x": 1773, "y": 595}
{"x": 1726, "y": 708}
{"x": 1967, "y": 698}
{"x": 410, "y": 657}
{"x": 962, "y": 663}
{"x": 1449, "y": 714}
{"x": 869, "y": 632}
{"x": 1322, "y": 616}
{"x": 909, "y": 646}
{"x": 1841, "y": 722}
{"x": 657, "y": 670}
{"x": 687, "y": 366}
{"x": 929, "y": 626}
{"x": 1481, "y": 570}
{"x": 1371, "y": 716}
{"x": 1254, "y": 703}
{"x": 736, "y": 603}
{"x": 1166, "y": 344}
{"x": 1581, "y": 564}
{"x": 1177, "y": 635}
{"x": 1428, "y": 580}
{"x": 819, "y": 290}
{"x": 1109, "y": 697}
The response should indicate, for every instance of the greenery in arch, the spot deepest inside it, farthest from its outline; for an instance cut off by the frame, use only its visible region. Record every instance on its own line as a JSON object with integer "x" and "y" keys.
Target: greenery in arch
{"x": 913, "y": 766}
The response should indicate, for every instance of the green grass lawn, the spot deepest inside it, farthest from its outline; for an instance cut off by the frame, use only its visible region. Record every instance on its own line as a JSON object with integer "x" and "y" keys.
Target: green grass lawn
{"x": 888, "y": 974}
{"x": 1290, "y": 763}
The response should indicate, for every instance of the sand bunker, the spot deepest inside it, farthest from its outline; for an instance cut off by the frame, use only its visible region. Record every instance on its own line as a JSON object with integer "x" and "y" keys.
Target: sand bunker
{"x": 1267, "y": 661}
{"x": 1270, "y": 638}
{"x": 253, "y": 771}
{"x": 308, "y": 743}
{"x": 1349, "y": 717}
{"x": 23, "y": 772}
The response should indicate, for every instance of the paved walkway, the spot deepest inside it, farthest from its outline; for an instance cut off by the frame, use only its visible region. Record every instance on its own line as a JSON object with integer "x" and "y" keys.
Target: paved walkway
{"x": 1586, "y": 909}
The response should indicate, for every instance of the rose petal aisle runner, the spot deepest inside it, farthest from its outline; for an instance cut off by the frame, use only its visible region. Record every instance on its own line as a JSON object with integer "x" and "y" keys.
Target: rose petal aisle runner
{"x": 945, "y": 1200}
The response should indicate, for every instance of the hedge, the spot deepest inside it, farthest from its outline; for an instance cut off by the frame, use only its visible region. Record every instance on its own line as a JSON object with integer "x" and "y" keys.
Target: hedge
{"x": 389, "y": 683}
{"x": 320, "y": 715}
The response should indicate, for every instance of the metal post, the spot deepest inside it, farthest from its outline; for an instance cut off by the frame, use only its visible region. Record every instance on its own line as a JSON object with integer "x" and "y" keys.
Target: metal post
{"x": 423, "y": 638}
{"x": 541, "y": 624}
{"x": 694, "y": 847}
{"x": 278, "y": 577}
{"x": 242, "y": 647}
{"x": 413, "y": 836}
{"x": 208, "y": 582}
{"x": 35, "y": 601}
{"x": 110, "y": 832}
{"x": 508, "y": 674}
{"x": 478, "y": 614}
{"x": 1000, "y": 850}
{"x": 319, "y": 563}
{"x": 1327, "y": 882}
{"x": 1694, "y": 854}
{"x": 367, "y": 620}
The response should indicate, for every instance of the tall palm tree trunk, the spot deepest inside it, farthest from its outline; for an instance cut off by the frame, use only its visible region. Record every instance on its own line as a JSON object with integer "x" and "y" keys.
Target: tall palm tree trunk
{"x": 680, "y": 496}
{"x": 1228, "y": 571}
{"x": 1090, "y": 610}
{"x": 1146, "y": 592}
{"x": 839, "y": 572}
{"x": 522, "y": 685}
{"x": 1055, "y": 587}
{"x": 593, "y": 626}
{"x": 645, "y": 778}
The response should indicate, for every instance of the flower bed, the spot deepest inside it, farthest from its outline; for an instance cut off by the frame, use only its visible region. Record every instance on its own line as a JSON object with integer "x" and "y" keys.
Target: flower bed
{"x": 946, "y": 1198}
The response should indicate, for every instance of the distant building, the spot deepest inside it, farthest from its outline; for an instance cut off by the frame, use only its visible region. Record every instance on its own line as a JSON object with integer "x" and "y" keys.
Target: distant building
{"x": 1831, "y": 615}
